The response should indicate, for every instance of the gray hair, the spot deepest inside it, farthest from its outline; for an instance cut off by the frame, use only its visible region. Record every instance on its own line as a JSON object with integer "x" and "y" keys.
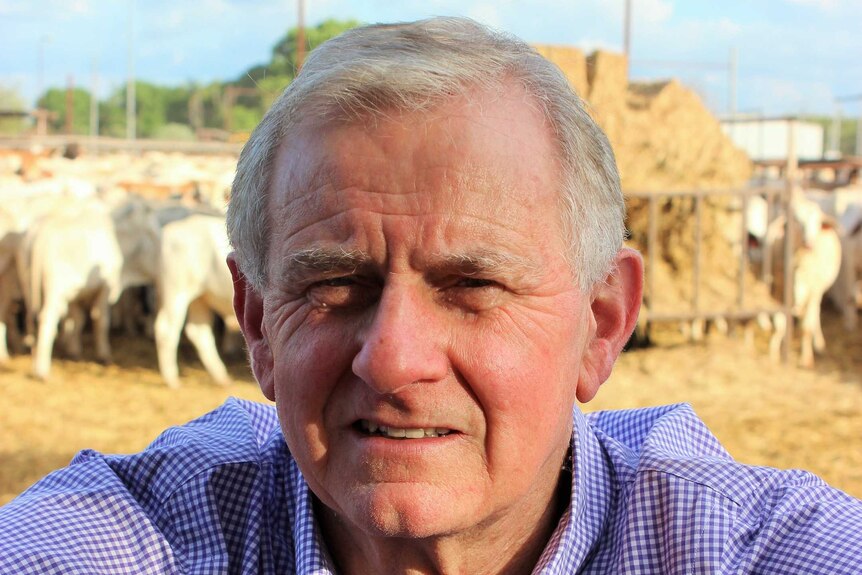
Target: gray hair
{"x": 413, "y": 67}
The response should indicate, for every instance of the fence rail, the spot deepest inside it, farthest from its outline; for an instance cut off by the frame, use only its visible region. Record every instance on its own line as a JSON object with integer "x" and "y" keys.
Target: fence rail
{"x": 778, "y": 199}
{"x": 103, "y": 144}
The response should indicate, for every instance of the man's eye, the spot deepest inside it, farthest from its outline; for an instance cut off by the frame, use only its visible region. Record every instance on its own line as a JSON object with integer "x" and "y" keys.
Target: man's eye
{"x": 473, "y": 294}
{"x": 341, "y": 292}
{"x": 337, "y": 282}
{"x": 469, "y": 282}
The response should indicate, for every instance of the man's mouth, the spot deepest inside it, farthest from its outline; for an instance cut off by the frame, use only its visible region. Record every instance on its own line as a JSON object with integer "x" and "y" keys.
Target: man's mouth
{"x": 401, "y": 432}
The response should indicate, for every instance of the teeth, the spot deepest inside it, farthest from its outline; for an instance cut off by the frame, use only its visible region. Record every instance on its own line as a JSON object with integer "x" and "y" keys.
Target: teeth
{"x": 403, "y": 433}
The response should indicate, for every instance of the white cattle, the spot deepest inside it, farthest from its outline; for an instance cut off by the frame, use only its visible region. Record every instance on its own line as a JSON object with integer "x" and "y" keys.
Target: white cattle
{"x": 845, "y": 205}
{"x": 139, "y": 223}
{"x": 138, "y": 229}
{"x": 17, "y": 214}
{"x": 70, "y": 261}
{"x": 816, "y": 261}
{"x": 10, "y": 292}
{"x": 846, "y": 293}
{"x": 193, "y": 283}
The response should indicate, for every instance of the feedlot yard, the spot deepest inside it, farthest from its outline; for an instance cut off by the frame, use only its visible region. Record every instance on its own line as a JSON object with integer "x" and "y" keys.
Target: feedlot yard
{"x": 763, "y": 413}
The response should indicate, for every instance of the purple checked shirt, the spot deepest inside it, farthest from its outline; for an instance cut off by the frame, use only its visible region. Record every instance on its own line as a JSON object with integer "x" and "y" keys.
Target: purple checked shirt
{"x": 652, "y": 492}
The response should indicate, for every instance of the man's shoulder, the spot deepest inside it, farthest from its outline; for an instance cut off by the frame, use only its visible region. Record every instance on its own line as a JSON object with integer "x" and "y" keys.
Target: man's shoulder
{"x": 234, "y": 433}
{"x": 121, "y": 511}
{"x": 237, "y": 428}
{"x": 672, "y": 440}
{"x": 673, "y": 472}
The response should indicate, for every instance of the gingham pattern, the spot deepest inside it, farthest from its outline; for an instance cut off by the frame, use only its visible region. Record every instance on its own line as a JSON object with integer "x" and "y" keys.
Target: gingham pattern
{"x": 652, "y": 492}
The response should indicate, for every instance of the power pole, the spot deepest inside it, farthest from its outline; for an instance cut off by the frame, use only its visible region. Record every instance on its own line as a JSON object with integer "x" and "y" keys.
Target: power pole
{"x": 94, "y": 101}
{"x": 40, "y": 68}
{"x": 731, "y": 83}
{"x": 835, "y": 133}
{"x": 836, "y": 129}
{"x": 131, "y": 112}
{"x": 70, "y": 104}
{"x": 300, "y": 37}
{"x": 859, "y": 134}
{"x": 627, "y": 33}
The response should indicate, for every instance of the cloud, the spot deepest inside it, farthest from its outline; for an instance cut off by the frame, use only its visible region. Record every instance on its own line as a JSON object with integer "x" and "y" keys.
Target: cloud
{"x": 79, "y": 6}
{"x": 13, "y": 7}
{"x": 178, "y": 58}
{"x": 652, "y": 11}
{"x": 175, "y": 18}
{"x": 819, "y": 4}
{"x": 486, "y": 13}
{"x": 216, "y": 6}
{"x": 591, "y": 44}
{"x": 781, "y": 96}
{"x": 728, "y": 28}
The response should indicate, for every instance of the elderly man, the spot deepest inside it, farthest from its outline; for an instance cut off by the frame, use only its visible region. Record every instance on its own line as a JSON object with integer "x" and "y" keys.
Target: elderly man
{"x": 429, "y": 273}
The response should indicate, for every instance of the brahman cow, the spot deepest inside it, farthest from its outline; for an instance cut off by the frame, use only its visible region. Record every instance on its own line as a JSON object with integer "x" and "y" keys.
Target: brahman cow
{"x": 193, "y": 283}
{"x": 816, "y": 261}
{"x": 69, "y": 261}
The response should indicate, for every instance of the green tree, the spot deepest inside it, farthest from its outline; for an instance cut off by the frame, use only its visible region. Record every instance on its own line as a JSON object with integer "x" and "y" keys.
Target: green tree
{"x": 283, "y": 61}
{"x": 160, "y": 109}
{"x": 205, "y": 106}
{"x": 177, "y": 104}
{"x": 150, "y": 108}
{"x": 847, "y": 139}
{"x": 174, "y": 131}
{"x": 155, "y": 107}
{"x": 271, "y": 88}
{"x": 11, "y": 105}
{"x": 271, "y": 79}
{"x": 112, "y": 115}
{"x": 245, "y": 118}
{"x": 55, "y": 101}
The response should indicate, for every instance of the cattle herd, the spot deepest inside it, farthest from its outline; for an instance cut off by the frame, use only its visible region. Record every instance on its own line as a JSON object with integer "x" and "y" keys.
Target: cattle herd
{"x": 137, "y": 242}
{"x": 76, "y": 235}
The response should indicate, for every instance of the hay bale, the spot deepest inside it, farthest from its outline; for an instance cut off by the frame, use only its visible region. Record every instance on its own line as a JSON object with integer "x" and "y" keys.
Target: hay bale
{"x": 607, "y": 74}
{"x": 664, "y": 139}
{"x": 573, "y": 63}
{"x": 673, "y": 142}
{"x": 662, "y": 134}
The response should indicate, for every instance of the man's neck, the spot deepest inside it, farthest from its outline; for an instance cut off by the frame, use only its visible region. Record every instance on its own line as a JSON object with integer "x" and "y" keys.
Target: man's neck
{"x": 500, "y": 548}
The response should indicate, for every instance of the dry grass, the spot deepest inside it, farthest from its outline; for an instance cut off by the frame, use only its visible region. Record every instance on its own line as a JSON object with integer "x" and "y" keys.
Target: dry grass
{"x": 763, "y": 413}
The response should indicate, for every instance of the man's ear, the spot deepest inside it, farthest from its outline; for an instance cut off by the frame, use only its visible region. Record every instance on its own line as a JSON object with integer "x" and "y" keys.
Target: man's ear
{"x": 614, "y": 308}
{"x": 248, "y": 306}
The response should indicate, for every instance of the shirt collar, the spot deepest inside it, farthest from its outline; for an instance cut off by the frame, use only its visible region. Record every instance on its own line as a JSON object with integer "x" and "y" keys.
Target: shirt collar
{"x": 577, "y": 534}
{"x": 581, "y": 527}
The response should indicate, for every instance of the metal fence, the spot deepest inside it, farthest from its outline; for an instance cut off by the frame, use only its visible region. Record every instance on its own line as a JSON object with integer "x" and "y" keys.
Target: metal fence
{"x": 778, "y": 198}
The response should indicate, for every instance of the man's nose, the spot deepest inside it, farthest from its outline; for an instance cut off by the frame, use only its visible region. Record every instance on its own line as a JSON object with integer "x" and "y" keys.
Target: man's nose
{"x": 404, "y": 343}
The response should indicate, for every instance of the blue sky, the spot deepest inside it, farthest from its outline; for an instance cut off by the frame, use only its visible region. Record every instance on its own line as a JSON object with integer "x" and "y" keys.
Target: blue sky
{"x": 794, "y": 56}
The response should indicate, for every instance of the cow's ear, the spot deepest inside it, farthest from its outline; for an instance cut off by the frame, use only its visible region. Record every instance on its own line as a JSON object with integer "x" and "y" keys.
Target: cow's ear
{"x": 248, "y": 306}
{"x": 614, "y": 308}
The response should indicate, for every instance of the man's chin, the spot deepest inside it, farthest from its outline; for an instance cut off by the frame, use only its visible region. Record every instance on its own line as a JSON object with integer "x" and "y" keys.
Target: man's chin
{"x": 409, "y": 510}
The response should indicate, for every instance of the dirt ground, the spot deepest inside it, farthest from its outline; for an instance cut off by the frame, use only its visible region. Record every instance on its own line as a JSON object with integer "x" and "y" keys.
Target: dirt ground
{"x": 763, "y": 413}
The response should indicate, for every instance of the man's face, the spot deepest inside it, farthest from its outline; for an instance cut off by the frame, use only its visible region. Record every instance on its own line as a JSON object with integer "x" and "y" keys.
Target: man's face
{"x": 418, "y": 287}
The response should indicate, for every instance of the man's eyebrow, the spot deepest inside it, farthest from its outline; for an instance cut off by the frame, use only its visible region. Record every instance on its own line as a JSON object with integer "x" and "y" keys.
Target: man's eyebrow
{"x": 313, "y": 262}
{"x": 322, "y": 261}
{"x": 484, "y": 262}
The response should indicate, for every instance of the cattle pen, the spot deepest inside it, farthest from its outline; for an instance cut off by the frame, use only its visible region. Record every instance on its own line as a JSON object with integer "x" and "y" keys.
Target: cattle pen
{"x": 778, "y": 197}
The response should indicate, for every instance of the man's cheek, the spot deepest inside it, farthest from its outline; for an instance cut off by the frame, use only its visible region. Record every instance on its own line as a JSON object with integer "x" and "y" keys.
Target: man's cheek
{"x": 315, "y": 359}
